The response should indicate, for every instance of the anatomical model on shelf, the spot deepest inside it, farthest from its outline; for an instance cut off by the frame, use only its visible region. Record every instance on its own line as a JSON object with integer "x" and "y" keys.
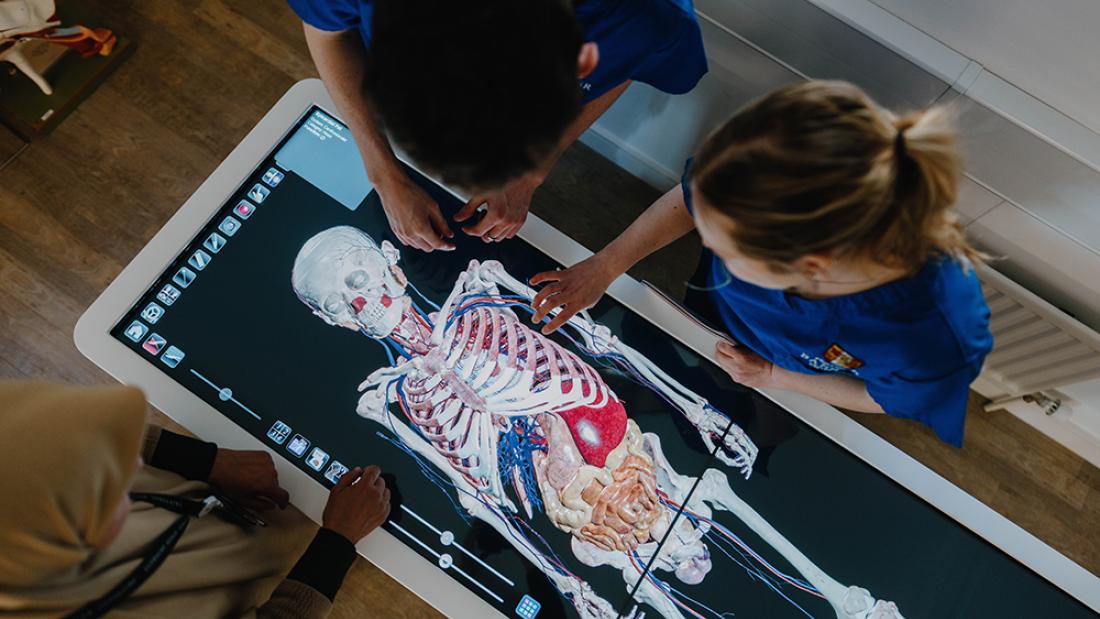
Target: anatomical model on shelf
{"x": 506, "y": 415}
{"x": 24, "y": 22}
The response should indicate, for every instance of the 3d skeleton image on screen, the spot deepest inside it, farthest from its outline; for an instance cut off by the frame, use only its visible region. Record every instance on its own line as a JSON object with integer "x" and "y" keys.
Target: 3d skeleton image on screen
{"x": 508, "y": 416}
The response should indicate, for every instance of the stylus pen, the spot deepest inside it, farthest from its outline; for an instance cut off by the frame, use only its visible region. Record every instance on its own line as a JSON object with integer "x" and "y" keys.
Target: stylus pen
{"x": 689, "y": 314}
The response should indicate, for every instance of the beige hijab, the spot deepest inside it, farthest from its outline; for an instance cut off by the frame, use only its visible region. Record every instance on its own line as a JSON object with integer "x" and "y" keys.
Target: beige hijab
{"x": 66, "y": 458}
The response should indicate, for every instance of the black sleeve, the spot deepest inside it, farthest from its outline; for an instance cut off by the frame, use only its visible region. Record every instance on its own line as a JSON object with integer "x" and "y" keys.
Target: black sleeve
{"x": 186, "y": 456}
{"x": 325, "y": 563}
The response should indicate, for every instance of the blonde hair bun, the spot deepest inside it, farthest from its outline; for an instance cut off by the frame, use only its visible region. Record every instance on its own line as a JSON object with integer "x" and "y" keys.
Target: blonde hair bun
{"x": 819, "y": 167}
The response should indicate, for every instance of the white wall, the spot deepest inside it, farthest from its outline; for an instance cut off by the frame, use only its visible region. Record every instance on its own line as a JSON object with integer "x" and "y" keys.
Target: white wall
{"x": 1085, "y": 406}
{"x": 1048, "y": 48}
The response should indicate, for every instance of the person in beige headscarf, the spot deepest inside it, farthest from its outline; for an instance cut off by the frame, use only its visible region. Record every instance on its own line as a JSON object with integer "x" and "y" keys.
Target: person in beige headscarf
{"x": 69, "y": 533}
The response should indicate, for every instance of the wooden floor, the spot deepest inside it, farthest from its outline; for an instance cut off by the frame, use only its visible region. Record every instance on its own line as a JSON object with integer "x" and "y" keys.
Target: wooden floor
{"x": 76, "y": 207}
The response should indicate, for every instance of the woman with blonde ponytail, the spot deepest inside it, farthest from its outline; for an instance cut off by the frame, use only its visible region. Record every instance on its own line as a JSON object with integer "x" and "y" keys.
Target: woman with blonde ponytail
{"x": 834, "y": 256}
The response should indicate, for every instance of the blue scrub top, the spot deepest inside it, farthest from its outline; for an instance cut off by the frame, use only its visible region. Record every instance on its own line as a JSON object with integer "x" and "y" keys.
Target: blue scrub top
{"x": 916, "y": 343}
{"x": 657, "y": 42}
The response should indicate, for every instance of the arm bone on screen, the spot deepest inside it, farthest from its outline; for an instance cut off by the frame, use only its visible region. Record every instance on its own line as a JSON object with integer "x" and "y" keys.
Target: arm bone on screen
{"x": 848, "y": 602}
{"x": 710, "y": 423}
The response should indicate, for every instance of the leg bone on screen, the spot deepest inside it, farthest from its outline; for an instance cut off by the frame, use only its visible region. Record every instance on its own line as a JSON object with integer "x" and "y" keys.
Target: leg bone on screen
{"x": 493, "y": 405}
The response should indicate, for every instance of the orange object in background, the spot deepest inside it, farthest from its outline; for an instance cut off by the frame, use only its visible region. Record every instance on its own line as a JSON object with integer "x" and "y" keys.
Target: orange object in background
{"x": 87, "y": 42}
{"x": 27, "y": 20}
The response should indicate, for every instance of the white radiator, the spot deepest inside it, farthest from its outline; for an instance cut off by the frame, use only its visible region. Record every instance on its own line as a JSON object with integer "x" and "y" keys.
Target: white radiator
{"x": 1036, "y": 346}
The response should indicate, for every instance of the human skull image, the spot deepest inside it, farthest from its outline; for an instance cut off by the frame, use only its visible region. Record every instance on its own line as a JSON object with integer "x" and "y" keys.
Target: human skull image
{"x": 350, "y": 281}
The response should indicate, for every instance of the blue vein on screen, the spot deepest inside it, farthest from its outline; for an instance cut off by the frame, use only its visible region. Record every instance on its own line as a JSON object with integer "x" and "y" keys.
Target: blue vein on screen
{"x": 389, "y": 344}
{"x": 421, "y": 295}
{"x": 231, "y": 398}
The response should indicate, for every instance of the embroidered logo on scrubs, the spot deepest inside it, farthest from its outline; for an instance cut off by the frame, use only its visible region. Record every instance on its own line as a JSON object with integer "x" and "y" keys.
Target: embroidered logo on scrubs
{"x": 838, "y": 356}
{"x": 821, "y": 365}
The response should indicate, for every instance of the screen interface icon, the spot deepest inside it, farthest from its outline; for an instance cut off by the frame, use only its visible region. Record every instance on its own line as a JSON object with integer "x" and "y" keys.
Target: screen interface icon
{"x": 244, "y": 209}
{"x": 279, "y": 432}
{"x": 273, "y": 177}
{"x": 317, "y": 459}
{"x": 184, "y": 277}
{"x": 154, "y": 344}
{"x": 152, "y": 313}
{"x": 214, "y": 243}
{"x": 172, "y": 356}
{"x": 258, "y": 193}
{"x": 136, "y": 331}
{"x": 168, "y": 294}
{"x": 199, "y": 260}
{"x": 298, "y": 445}
{"x": 229, "y": 226}
{"x": 528, "y": 607}
{"x": 335, "y": 471}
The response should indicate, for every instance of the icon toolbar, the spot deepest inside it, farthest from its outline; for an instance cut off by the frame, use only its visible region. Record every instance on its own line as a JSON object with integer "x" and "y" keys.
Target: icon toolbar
{"x": 528, "y": 607}
{"x": 229, "y": 226}
{"x": 199, "y": 260}
{"x": 273, "y": 177}
{"x": 154, "y": 344}
{"x": 214, "y": 243}
{"x": 184, "y": 277}
{"x": 152, "y": 313}
{"x": 335, "y": 471}
{"x": 168, "y": 295}
{"x": 258, "y": 193}
{"x": 244, "y": 209}
{"x": 298, "y": 445}
{"x": 279, "y": 432}
{"x": 317, "y": 459}
{"x": 172, "y": 356}
{"x": 136, "y": 331}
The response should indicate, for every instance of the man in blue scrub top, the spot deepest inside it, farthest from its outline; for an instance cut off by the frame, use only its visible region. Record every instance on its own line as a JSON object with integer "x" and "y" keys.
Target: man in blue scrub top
{"x": 487, "y": 94}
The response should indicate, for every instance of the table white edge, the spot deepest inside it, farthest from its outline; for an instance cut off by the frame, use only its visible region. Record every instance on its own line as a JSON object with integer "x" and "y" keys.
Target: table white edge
{"x": 92, "y": 338}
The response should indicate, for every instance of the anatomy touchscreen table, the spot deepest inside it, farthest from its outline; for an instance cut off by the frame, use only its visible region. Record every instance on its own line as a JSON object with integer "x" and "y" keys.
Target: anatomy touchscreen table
{"x": 604, "y": 471}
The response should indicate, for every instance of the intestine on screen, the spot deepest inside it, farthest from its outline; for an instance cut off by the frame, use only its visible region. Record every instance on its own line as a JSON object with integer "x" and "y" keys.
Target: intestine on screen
{"x": 520, "y": 427}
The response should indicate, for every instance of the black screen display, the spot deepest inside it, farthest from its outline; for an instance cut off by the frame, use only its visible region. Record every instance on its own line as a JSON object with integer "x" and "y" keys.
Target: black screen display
{"x": 224, "y": 321}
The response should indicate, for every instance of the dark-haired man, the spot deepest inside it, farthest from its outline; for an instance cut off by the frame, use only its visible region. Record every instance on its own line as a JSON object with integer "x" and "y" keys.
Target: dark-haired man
{"x": 487, "y": 94}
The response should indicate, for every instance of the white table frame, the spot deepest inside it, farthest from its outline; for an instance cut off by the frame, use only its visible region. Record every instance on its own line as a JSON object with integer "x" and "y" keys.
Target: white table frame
{"x": 383, "y": 549}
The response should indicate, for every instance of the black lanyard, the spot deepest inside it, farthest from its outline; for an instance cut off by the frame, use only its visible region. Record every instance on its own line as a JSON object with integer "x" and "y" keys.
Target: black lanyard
{"x": 160, "y": 548}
